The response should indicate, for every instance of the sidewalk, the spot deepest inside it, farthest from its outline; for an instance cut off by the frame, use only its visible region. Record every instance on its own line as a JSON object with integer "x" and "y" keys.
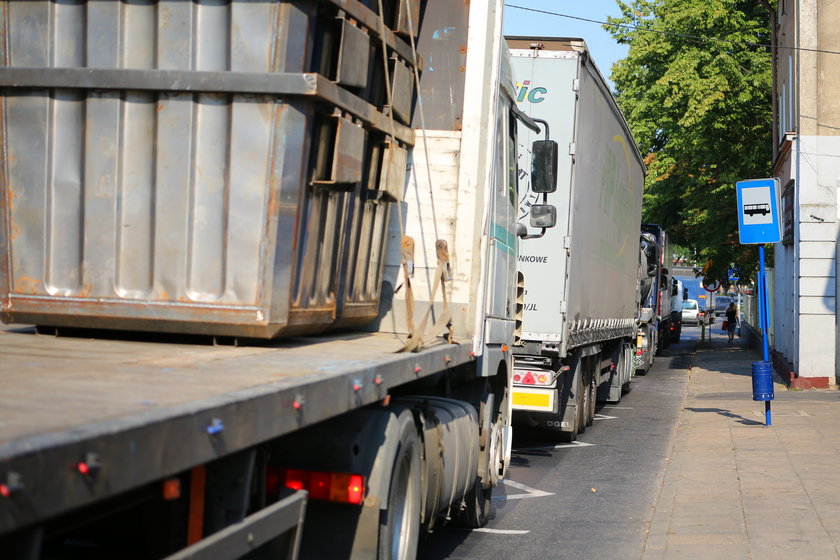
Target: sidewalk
{"x": 734, "y": 488}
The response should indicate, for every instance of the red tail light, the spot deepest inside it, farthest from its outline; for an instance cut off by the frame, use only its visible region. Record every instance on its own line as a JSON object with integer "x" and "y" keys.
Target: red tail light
{"x": 343, "y": 488}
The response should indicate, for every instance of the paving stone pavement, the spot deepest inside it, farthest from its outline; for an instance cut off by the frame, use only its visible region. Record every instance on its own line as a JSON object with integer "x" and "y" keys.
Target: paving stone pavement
{"x": 734, "y": 488}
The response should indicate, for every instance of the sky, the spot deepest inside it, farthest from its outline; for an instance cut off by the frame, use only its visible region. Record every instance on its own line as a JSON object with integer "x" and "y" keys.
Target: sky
{"x": 605, "y": 51}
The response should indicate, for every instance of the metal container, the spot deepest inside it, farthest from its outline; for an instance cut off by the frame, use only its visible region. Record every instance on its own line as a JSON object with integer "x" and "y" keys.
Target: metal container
{"x": 762, "y": 381}
{"x": 211, "y": 167}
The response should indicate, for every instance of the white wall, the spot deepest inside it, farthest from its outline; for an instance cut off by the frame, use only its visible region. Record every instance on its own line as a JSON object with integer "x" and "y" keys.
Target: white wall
{"x": 818, "y": 169}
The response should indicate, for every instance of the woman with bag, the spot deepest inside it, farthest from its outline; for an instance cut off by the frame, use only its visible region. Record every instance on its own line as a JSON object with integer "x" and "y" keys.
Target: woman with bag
{"x": 731, "y": 321}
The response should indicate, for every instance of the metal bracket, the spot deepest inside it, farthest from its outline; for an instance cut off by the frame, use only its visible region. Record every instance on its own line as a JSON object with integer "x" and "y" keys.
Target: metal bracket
{"x": 256, "y": 530}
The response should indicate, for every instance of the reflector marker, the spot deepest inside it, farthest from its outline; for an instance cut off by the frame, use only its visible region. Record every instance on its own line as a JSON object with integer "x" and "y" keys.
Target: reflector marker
{"x": 216, "y": 426}
{"x": 14, "y": 483}
{"x": 89, "y": 465}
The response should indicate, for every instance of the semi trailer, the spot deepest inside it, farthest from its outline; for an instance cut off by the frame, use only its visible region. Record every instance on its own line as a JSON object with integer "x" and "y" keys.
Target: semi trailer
{"x": 580, "y": 278}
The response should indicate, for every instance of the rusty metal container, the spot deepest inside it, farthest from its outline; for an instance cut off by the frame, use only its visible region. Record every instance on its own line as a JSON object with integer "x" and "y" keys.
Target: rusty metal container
{"x": 210, "y": 167}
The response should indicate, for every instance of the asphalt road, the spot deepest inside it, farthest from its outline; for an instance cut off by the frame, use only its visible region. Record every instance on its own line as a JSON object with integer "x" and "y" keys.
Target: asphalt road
{"x": 588, "y": 500}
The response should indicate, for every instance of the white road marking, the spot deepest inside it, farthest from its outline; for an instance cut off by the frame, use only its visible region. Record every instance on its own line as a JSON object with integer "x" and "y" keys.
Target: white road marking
{"x": 529, "y": 492}
{"x": 605, "y": 417}
{"x": 502, "y": 531}
{"x": 551, "y": 447}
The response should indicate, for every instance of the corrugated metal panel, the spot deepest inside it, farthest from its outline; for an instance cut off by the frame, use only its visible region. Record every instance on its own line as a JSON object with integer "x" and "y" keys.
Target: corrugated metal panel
{"x": 218, "y": 203}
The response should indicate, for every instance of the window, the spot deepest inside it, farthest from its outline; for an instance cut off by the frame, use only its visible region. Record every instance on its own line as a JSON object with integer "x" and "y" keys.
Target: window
{"x": 513, "y": 167}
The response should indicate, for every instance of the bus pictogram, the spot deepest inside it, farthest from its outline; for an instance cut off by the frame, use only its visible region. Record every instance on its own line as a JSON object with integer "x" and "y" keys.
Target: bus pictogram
{"x": 753, "y": 209}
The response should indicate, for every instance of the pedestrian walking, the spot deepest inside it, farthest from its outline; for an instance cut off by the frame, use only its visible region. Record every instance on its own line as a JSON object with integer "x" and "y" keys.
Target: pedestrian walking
{"x": 731, "y": 320}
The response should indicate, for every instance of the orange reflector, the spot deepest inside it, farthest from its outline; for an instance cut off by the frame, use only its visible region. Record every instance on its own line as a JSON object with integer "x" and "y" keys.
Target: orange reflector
{"x": 504, "y": 347}
{"x": 171, "y": 488}
{"x": 542, "y": 378}
{"x": 333, "y": 487}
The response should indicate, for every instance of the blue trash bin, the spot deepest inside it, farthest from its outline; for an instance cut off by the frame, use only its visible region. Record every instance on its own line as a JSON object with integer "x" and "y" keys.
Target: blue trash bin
{"x": 762, "y": 381}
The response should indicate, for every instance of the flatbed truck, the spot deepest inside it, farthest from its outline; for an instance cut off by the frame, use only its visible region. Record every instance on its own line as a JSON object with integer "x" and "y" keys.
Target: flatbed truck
{"x": 257, "y": 304}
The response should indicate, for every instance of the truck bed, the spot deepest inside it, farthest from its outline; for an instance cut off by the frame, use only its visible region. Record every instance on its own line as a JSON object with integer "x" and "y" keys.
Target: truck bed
{"x": 144, "y": 406}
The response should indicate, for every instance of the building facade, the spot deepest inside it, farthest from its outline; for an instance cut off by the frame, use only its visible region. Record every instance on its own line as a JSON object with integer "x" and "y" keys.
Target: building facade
{"x": 807, "y": 162}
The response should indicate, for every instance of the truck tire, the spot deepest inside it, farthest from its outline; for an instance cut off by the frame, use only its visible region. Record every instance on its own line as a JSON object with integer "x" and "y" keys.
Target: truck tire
{"x": 591, "y": 400}
{"x": 627, "y": 361}
{"x": 476, "y": 510}
{"x": 399, "y": 525}
{"x": 580, "y": 399}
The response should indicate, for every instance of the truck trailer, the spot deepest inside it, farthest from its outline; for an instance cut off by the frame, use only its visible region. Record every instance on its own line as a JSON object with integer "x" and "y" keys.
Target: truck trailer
{"x": 258, "y": 302}
{"x": 580, "y": 278}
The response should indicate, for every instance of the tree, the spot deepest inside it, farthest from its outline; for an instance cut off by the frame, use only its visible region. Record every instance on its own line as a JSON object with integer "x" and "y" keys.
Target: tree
{"x": 701, "y": 111}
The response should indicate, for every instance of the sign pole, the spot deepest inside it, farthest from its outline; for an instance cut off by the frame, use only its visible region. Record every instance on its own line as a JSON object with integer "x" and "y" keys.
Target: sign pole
{"x": 759, "y": 222}
{"x": 764, "y": 322}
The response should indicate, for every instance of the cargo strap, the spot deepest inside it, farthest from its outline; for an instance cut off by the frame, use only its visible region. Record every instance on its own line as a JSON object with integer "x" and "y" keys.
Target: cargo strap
{"x": 407, "y": 261}
{"x": 443, "y": 273}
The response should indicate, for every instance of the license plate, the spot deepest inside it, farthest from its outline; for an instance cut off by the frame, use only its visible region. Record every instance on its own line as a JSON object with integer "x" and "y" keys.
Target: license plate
{"x": 533, "y": 399}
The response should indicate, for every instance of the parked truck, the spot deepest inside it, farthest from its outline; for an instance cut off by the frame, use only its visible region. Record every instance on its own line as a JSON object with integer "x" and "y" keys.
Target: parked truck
{"x": 580, "y": 278}
{"x": 183, "y": 182}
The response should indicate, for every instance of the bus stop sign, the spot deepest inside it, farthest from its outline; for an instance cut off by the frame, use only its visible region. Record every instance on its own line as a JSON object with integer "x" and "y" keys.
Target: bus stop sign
{"x": 758, "y": 211}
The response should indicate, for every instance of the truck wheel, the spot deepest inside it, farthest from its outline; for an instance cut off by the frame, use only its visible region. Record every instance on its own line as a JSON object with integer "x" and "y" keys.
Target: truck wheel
{"x": 476, "y": 510}
{"x": 580, "y": 401}
{"x": 590, "y": 405}
{"x": 399, "y": 525}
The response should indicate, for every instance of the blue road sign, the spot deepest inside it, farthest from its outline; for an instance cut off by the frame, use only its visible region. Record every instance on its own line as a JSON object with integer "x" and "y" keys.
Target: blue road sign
{"x": 758, "y": 223}
{"x": 758, "y": 211}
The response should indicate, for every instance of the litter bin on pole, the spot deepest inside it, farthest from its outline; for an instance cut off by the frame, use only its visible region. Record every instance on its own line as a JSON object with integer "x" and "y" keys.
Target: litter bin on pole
{"x": 759, "y": 223}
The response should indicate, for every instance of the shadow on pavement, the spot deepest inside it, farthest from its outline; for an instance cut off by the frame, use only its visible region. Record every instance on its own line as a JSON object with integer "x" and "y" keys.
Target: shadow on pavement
{"x": 728, "y": 414}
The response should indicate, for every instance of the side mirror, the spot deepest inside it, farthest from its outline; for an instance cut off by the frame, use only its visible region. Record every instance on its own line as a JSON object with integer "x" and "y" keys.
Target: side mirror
{"x": 543, "y": 216}
{"x": 544, "y": 166}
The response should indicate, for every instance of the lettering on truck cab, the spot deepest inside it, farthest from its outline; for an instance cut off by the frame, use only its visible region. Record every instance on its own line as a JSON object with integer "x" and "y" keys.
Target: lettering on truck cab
{"x": 533, "y": 259}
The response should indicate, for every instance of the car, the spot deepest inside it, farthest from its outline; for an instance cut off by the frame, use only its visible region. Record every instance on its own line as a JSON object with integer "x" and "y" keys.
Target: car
{"x": 691, "y": 312}
{"x": 721, "y": 303}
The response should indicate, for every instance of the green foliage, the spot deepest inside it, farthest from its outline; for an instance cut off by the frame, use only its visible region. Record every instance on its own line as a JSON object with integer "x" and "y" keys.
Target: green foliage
{"x": 701, "y": 112}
